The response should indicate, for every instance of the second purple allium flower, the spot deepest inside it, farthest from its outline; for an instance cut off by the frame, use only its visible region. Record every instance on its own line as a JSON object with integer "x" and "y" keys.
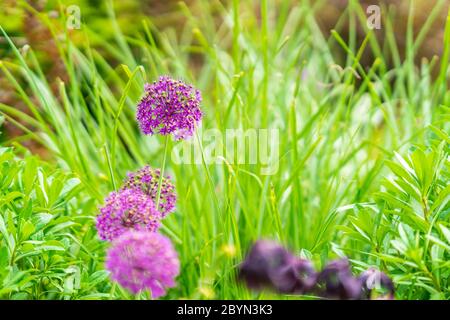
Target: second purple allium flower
{"x": 124, "y": 210}
{"x": 169, "y": 107}
{"x": 140, "y": 260}
{"x": 147, "y": 179}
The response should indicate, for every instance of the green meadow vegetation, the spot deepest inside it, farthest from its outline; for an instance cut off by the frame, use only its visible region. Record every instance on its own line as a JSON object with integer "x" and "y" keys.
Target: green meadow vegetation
{"x": 363, "y": 165}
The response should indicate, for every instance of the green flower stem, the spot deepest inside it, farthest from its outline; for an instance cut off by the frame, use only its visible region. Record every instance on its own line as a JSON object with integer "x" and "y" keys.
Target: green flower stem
{"x": 208, "y": 174}
{"x": 158, "y": 195}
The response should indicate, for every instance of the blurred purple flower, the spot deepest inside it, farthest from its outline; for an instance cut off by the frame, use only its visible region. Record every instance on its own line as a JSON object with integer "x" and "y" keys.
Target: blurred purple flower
{"x": 270, "y": 265}
{"x": 264, "y": 258}
{"x": 336, "y": 281}
{"x": 169, "y": 107}
{"x": 147, "y": 179}
{"x": 124, "y": 210}
{"x": 375, "y": 280}
{"x": 297, "y": 276}
{"x": 140, "y": 260}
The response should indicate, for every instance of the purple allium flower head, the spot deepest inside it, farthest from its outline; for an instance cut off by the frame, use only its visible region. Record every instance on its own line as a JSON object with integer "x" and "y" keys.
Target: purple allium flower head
{"x": 124, "y": 210}
{"x": 337, "y": 282}
{"x": 169, "y": 107}
{"x": 147, "y": 179}
{"x": 376, "y": 281}
{"x": 140, "y": 260}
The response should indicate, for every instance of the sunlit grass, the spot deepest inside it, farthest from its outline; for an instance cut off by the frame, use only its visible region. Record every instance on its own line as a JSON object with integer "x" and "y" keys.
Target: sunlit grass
{"x": 339, "y": 124}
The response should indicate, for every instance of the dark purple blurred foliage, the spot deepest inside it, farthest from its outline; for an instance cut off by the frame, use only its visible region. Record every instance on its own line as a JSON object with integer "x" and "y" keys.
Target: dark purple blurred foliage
{"x": 336, "y": 281}
{"x": 269, "y": 265}
{"x": 297, "y": 276}
{"x": 264, "y": 261}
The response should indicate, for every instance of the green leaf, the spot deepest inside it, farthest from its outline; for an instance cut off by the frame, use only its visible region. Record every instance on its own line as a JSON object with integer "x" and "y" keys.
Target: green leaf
{"x": 27, "y": 229}
{"x": 50, "y": 245}
{"x": 4, "y": 257}
{"x": 446, "y": 232}
{"x": 20, "y": 296}
{"x": 5, "y": 233}
{"x": 29, "y": 175}
{"x": 10, "y": 197}
{"x": 439, "y": 242}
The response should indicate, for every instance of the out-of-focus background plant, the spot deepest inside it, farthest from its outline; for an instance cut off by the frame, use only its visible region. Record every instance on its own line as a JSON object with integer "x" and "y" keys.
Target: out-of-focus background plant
{"x": 364, "y": 154}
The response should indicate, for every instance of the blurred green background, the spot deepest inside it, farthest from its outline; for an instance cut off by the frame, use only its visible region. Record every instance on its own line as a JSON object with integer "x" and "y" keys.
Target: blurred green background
{"x": 350, "y": 102}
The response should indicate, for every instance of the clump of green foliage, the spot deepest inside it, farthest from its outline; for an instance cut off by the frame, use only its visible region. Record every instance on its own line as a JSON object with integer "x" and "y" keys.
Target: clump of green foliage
{"x": 343, "y": 129}
{"x": 406, "y": 230}
{"x": 48, "y": 244}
